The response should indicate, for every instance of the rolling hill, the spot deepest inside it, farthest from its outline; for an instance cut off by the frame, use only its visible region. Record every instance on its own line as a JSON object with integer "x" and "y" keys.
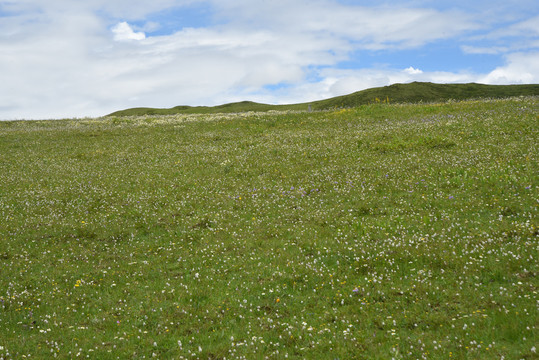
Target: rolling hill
{"x": 396, "y": 93}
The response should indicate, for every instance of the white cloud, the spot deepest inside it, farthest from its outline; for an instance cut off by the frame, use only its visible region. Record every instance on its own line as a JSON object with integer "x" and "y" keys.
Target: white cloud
{"x": 526, "y": 28}
{"x": 520, "y": 36}
{"x": 374, "y": 27}
{"x": 490, "y": 50}
{"x": 412, "y": 71}
{"x": 89, "y": 58}
{"x": 520, "y": 68}
{"x": 122, "y": 31}
{"x": 136, "y": 9}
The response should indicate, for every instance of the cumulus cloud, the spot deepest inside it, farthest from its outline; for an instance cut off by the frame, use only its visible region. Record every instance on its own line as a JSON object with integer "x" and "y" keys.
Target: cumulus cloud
{"x": 412, "y": 71}
{"x": 122, "y": 31}
{"x": 520, "y": 68}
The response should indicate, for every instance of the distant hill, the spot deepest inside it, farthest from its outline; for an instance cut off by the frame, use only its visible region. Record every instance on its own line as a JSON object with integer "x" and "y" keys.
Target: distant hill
{"x": 396, "y": 93}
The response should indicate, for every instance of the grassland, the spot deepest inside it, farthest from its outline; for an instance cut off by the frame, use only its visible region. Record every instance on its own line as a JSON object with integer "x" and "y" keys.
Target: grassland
{"x": 382, "y": 231}
{"x": 415, "y": 92}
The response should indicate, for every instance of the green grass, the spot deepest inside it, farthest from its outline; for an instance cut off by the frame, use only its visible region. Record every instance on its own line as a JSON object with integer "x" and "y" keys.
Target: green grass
{"x": 397, "y": 93}
{"x": 376, "y": 232}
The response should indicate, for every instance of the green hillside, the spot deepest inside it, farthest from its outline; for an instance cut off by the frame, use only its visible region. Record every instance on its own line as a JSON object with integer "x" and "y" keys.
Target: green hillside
{"x": 427, "y": 92}
{"x": 398, "y": 93}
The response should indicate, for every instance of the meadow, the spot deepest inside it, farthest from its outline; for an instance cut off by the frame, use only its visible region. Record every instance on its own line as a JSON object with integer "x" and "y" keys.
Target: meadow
{"x": 384, "y": 231}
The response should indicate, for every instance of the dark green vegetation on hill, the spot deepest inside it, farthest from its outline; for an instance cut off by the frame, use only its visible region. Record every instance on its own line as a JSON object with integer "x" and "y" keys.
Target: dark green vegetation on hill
{"x": 397, "y": 93}
{"x": 377, "y": 232}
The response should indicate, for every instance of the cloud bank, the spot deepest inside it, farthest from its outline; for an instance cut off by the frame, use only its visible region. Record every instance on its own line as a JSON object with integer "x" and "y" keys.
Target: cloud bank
{"x": 75, "y": 59}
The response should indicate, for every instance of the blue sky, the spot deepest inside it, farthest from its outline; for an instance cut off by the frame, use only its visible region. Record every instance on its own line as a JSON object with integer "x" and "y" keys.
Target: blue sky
{"x": 67, "y": 58}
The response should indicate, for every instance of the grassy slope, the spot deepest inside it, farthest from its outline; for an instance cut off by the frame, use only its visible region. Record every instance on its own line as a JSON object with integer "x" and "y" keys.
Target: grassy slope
{"x": 397, "y": 93}
{"x": 404, "y": 231}
{"x": 243, "y": 106}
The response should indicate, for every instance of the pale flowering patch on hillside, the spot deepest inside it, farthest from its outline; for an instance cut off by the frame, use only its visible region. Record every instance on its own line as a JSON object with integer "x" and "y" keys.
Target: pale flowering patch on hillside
{"x": 385, "y": 231}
